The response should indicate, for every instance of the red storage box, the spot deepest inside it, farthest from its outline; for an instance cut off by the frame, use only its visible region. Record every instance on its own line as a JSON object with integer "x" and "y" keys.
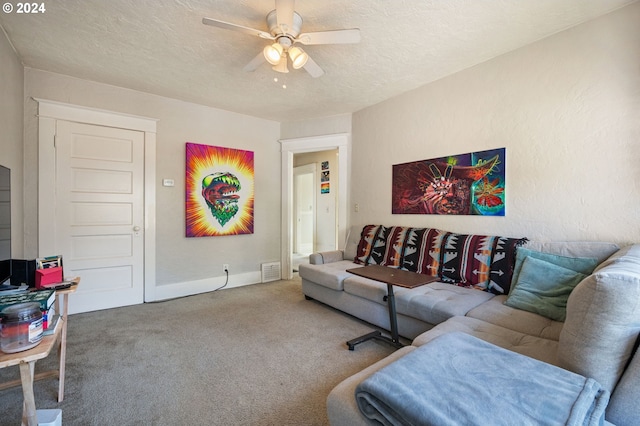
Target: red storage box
{"x": 48, "y": 276}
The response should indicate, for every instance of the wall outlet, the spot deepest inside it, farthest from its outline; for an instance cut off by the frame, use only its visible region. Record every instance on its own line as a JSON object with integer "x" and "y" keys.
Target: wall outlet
{"x": 225, "y": 267}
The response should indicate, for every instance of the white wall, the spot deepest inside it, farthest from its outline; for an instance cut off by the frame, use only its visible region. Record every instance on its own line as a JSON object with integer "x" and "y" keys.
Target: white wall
{"x": 567, "y": 109}
{"x": 316, "y": 127}
{"x": 11, "y": 124}
{"x": 179, "y": 259}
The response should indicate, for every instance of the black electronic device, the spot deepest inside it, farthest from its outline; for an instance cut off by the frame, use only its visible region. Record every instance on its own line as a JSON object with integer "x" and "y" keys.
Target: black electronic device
{"x": 23, "y": 272}
{"x": 5, "y": 224}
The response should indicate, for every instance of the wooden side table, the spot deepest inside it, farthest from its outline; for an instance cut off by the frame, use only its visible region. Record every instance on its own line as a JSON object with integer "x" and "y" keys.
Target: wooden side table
{"x": 62, "y": 349}
{"x": 27, "y": 359}
{"x": 27, "y": 362}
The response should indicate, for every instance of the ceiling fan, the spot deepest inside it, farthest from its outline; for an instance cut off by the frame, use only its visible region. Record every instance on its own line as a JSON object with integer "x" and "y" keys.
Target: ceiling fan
{"x": 284, "y": 30}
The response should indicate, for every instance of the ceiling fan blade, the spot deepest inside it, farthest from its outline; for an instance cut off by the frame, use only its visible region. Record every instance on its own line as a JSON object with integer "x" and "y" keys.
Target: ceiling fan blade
{"x": 255, "y": 63}
{"x": 330, "y": 37}
{"x": 284, "y": 14}
{"x": 313, "y": 69}
{"x": 235, "y": 27}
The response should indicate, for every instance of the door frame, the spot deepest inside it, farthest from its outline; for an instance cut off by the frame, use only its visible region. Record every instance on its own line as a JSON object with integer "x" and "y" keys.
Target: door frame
{"x": 289, "y": 147}
{"x": 51, "y": 111}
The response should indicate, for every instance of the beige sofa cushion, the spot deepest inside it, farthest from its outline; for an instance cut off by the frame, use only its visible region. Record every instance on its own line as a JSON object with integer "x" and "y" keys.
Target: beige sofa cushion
{"x": 432, "y": 303}
{"x": 351, "y": 243}
{"x": 330, "y": 275}
{"x": 535, "y": 347}
{"x": 437, "y": 302}
{"x": 596, "y": 249}
{"x": 495, "y": 312}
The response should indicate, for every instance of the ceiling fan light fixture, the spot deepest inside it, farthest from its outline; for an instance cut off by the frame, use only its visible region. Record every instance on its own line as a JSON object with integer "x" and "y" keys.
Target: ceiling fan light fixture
{"x": 298, "y": 57}
{"x": 273, "y": 53}
{"x": 285, "y": 29}
{"x": 281, "y": 66}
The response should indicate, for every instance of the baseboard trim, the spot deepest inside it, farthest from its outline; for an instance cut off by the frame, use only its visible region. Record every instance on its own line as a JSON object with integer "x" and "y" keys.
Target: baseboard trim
{"x": 189, "y": 288}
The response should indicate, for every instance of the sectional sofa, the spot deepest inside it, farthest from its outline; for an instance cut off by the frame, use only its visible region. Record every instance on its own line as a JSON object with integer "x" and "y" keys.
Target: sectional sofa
{"x": 573, "y": 306}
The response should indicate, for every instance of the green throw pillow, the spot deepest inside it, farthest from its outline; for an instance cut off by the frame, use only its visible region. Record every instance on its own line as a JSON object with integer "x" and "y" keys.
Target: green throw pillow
{"x": 584, "y": 265}
{"x": 543, "y": 288}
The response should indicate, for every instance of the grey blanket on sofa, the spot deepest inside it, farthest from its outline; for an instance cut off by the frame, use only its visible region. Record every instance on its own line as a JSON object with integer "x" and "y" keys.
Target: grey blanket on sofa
{"x": 458, "y": 379}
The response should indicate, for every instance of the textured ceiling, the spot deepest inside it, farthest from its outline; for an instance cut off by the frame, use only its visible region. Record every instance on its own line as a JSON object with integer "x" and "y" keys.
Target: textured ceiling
{"x": 162, "y": 47}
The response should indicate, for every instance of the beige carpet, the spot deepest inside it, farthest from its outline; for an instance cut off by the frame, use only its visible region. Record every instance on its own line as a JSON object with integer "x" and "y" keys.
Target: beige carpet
{"x": 254, "y": 355}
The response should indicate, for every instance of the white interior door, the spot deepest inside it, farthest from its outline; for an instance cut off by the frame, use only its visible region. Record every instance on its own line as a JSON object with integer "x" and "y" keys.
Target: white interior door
{"x": 304, "y": 202}
{"x": 100, "y": 213}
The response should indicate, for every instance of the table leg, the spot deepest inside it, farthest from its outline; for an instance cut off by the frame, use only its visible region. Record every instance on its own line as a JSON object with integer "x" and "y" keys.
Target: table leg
{"x": 393, "y": 319}
{"x": 351, "y": 344}
{"x": 63, "y": 347}
{"x": 29, "y": 416}
{"x": 393, "y": 322}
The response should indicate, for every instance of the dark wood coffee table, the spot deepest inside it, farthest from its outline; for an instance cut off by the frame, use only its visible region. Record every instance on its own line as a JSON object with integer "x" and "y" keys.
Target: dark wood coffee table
{"x": 391, "y": 277}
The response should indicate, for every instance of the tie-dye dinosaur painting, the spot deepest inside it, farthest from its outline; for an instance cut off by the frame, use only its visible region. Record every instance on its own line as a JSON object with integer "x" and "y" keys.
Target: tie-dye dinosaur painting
{"x": 219, "y": 191}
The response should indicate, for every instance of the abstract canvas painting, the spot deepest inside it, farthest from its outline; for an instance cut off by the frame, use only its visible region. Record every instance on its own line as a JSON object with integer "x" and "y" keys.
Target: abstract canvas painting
{"x": 219, "y": 191}
{"x": 465, "y": 184}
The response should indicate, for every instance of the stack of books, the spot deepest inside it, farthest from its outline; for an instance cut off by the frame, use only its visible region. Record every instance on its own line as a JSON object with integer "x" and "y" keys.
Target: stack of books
{"x": 44, "y": 297}
{"x": 13, "y": 289}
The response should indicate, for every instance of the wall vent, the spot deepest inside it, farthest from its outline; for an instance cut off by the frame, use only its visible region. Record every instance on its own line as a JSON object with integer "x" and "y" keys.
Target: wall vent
{"x": 270, "y": 271}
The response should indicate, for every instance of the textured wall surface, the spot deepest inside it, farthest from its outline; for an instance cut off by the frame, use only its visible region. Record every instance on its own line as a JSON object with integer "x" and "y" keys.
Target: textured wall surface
{"x": 11, "y": 112}
{"x": 179, "y": 258}
{"x": 567, "y": 109}
{"x": 316, "y": 127}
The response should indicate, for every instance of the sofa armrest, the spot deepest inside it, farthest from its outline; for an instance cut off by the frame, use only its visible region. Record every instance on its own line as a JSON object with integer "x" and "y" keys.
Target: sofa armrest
{"x": 342, "y": 408}
{"x": 623, "y": 408}
{"x": 326, "y": 257}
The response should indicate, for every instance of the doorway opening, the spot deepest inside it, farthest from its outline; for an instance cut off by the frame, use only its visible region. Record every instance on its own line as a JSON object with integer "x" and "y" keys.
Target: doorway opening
{"x": 295, "y": 152}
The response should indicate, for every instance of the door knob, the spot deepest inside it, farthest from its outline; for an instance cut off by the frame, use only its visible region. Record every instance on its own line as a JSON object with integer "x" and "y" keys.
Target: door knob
{"x": 136, "y": 228}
